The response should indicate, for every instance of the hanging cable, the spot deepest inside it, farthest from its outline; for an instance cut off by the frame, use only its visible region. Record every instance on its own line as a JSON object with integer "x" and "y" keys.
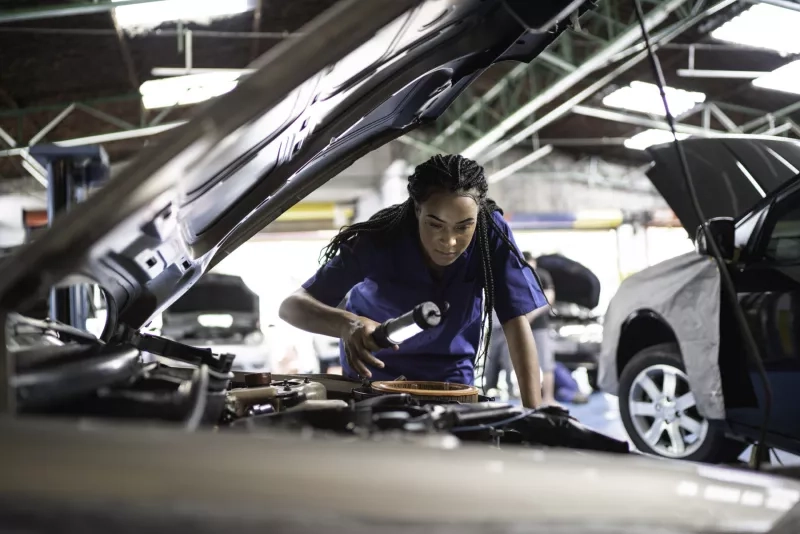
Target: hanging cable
{"x": 751, "y": 348}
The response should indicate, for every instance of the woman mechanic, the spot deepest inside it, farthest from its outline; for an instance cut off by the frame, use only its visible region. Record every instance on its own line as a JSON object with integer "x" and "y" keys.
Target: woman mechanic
{"x": 447, "y": 243}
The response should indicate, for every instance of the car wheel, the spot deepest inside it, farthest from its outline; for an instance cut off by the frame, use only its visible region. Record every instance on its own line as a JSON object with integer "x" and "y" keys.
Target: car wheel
{"x": 660, "y": 413}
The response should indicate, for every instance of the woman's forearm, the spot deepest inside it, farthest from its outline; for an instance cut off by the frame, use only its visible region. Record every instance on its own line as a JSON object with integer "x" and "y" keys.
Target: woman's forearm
{"x": 525, "y": 360}
{"x": 303, "y": 311}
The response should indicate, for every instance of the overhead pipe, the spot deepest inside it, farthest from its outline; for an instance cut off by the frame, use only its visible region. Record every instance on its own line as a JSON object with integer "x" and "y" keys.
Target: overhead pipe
{"x": 584, "y": 94}
{"x": 644, "y": 122}
{"x": 655, "y": 17}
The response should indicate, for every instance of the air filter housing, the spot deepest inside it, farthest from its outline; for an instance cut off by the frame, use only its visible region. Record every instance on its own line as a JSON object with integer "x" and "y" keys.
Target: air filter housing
{"x": 429, "y": 391}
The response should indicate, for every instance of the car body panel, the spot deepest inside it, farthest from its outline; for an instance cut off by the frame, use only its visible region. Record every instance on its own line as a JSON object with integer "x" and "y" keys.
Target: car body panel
{"x": 685, "y": 293}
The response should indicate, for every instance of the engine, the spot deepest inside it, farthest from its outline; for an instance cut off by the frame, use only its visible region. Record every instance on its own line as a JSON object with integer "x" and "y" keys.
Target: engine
{"x": 154, "y": 379}
{"x": 334, "y": 405}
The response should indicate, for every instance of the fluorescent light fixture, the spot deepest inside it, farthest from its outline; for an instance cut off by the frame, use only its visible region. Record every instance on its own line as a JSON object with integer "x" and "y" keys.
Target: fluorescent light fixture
{"x": 215, "y": 320}
{"x": 153, "y": 14}
{"x": 185, "y": 90}
{"x": 763, "y": 26}
{"x": 183, "y": 71}
{"x": 646, "y": 98}
{"x": 649, "y": 138}
{"x": 786, "y": 79}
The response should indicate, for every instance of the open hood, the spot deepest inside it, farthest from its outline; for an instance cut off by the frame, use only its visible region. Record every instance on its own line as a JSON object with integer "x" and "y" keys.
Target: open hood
{"x": 574, "y": 282}
{"x": 730, "y": 174}
{"x": 363, "y": 73}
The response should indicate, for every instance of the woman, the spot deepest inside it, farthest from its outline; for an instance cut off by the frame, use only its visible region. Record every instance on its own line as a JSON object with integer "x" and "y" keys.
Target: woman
{"x": 446, "y": 243}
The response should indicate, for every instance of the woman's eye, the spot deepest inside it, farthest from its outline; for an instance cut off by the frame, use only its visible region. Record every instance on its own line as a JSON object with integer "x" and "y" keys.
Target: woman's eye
{"x": 436, "y": 226}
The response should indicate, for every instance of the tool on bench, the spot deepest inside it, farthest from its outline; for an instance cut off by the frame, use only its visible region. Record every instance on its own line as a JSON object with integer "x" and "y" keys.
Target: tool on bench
{"x": 422, "y": 317}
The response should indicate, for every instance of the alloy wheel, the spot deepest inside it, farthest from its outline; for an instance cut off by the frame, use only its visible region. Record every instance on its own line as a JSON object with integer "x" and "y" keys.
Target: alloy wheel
{"x": 664, "y": 412}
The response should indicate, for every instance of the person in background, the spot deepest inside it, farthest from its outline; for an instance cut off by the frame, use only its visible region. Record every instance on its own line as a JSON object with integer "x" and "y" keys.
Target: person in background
{"x": 498, "y": 359}
{"x": 540, "y": 326}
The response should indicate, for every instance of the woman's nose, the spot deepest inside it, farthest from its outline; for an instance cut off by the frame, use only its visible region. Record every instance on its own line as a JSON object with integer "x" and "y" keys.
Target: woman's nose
{"x": 449, "y": 240}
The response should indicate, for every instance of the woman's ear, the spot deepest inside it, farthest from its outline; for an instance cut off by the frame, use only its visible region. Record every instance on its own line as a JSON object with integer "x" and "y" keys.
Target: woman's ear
{"x": 417, "y": 210}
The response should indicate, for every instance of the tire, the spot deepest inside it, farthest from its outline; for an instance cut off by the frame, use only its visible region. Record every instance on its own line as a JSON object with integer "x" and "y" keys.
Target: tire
{"x": 676, "y": 415}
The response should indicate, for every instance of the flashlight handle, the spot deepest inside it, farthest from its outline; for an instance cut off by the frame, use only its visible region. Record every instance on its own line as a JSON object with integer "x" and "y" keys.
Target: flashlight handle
{"x": 399, "y": 329}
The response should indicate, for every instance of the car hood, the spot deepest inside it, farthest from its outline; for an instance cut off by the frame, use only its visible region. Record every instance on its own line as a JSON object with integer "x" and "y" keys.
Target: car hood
{"x": 574, "y": 282}
{"x": 296, "y": 484}
{"x": 361, "y": 74}
{"x": 730, "y": 174}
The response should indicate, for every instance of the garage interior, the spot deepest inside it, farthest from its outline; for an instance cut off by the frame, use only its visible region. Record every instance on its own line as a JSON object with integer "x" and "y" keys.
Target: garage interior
{"x": 86, "y": 86}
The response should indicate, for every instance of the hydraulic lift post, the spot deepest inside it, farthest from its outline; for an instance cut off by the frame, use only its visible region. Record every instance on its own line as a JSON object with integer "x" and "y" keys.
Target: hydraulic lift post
{"x": 71, "y": 173}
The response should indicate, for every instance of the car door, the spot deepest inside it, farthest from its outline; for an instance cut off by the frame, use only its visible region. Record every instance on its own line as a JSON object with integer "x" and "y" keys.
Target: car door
{"x": 768, "y": 286}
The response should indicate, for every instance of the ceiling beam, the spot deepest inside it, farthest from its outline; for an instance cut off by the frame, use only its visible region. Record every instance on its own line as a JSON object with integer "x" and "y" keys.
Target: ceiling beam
{"x": 564, "y": 108}
{"x": 103, "y": 138}
{"x": 644, "y": 122}
{"x": 628, "y": 38}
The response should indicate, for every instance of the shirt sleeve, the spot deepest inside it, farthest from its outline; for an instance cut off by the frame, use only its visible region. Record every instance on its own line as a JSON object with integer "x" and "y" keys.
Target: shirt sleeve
{"x": 516, "y": 290}
{"x": 335, "y": 279}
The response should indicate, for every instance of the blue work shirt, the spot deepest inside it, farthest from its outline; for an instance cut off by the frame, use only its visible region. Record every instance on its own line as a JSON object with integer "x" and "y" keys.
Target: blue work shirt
{"x": 388, "y": 277}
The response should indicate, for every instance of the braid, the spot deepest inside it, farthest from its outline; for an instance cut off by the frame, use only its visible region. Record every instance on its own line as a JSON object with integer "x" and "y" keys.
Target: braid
{"x": 488, "y": 288}
{"x": 386, "y": 220}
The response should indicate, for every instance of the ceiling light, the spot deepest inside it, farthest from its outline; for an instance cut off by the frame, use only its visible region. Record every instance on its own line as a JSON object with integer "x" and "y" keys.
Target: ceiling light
{"x": 763, "y": 26}
{"x": 649, "y": 138}
{"x": 152, "y": 14}
{"x": 782, "y": 79}
{"x": 646, "y": 98}
{"x": 185, "y": 90}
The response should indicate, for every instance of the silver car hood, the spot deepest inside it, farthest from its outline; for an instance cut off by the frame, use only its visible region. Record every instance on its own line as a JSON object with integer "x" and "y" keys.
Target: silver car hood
{"x": 361, "y": 74}
{"x": 293, "y": 484}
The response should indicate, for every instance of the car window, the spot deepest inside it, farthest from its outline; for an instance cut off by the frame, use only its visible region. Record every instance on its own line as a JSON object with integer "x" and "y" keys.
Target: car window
{"x": 783, "y": 246}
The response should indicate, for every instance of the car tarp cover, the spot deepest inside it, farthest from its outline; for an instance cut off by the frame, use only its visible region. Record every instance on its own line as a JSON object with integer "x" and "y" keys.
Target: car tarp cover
{"x": 685, "y": 292}
{"x": 730, "y": 174}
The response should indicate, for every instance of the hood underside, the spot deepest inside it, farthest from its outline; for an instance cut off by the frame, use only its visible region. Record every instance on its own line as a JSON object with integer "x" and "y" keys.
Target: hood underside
{"x": 730, "y": 174}
{"x": 363, "y": 73}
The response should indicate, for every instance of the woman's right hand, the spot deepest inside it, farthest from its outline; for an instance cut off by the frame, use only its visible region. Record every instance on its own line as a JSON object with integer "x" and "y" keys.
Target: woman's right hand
{"x": 358, "y": 344}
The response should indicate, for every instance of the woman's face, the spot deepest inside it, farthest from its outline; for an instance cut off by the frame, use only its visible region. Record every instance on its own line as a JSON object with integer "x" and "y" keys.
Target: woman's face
{"x": 447, "y": 222}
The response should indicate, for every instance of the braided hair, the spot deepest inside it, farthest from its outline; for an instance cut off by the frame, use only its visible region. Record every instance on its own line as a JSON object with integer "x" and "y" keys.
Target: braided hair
{"x": 451, "y": 173}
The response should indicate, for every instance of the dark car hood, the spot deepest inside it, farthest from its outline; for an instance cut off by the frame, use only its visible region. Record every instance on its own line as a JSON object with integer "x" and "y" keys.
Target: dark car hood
{"x": 362, "y": 74}
{"x": 730, "y": 174}
{"x": 574, "y": 282}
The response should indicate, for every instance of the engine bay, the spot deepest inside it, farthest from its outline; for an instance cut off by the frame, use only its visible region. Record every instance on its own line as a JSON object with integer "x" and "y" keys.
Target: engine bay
{"x": 63, "y": 372}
